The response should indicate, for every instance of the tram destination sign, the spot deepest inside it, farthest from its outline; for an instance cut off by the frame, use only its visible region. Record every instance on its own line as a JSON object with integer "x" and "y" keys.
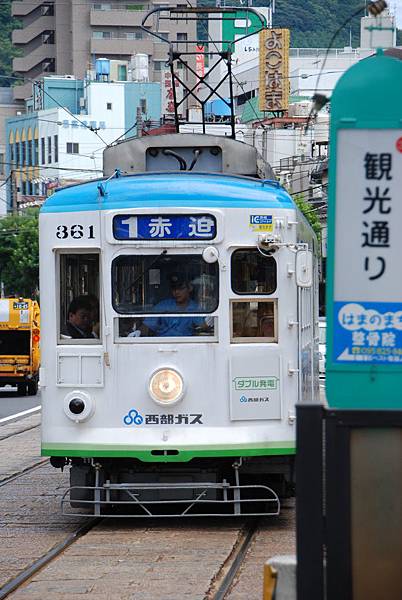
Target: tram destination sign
{"x": 164, "y": 227}
{"x": 367, "y": 308}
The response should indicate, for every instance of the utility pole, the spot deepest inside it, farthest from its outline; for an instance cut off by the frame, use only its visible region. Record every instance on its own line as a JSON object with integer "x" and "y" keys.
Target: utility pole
{"x": 14, "y": 192}
{"x": 139, "y": 121}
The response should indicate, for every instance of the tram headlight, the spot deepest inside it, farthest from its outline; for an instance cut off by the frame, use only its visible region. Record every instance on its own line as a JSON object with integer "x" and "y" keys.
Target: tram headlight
{"x": 166, "y": 386}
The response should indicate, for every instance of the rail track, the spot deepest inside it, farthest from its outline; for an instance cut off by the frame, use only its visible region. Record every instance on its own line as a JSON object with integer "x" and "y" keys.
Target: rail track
{"x": 220, "y": 581}
{"x": 200, "y": 559}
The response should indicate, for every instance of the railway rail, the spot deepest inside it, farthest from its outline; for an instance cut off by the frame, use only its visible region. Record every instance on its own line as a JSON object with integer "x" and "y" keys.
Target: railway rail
{"x": 207, "y": 559}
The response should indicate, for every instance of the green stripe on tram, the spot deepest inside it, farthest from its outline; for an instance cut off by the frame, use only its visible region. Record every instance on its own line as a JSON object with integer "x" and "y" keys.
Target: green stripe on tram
{"x": 184, "y": 455}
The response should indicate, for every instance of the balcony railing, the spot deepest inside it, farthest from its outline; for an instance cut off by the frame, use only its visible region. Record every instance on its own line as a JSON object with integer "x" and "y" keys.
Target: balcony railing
{"x": 129, "y": 6}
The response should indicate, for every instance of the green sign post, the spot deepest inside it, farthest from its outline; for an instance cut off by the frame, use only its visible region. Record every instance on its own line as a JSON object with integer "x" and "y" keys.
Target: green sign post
{"x": 364, "y": 276}
{"x": 242, "y": 23}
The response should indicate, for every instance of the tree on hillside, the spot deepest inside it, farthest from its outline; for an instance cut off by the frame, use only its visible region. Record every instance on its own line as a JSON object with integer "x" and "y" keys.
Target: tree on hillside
{"x": 310, "y": 213}
{"x": 7, "y": 50}
{"x": 19, "y": 254}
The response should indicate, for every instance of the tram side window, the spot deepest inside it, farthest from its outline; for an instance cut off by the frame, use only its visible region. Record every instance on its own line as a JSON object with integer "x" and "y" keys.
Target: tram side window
{"x": 252, "y": 272}
{"x": 79, "y": 312}
{"x": 254, "y": 321}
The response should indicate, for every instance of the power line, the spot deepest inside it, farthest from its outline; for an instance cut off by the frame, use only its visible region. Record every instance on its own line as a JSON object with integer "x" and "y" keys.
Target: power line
{"x": 24, "y": 168}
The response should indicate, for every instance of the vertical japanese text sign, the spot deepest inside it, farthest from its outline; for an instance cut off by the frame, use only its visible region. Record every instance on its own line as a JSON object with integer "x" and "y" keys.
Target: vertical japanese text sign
{"x": 364, "y": 285}
{"x": 274, "y": 69}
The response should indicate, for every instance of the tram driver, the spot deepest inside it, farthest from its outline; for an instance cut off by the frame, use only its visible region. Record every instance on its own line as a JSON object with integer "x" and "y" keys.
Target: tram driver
{"x": 181, "y": 301}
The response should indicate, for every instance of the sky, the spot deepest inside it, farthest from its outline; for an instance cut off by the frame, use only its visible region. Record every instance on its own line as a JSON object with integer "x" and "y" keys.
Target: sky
{"x": 396, "y": 8}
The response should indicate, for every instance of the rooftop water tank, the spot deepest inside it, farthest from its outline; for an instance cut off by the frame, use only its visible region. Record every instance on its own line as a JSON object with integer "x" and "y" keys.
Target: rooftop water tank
{"x": 102, "y": 69}
{"x": 140, "y": 67}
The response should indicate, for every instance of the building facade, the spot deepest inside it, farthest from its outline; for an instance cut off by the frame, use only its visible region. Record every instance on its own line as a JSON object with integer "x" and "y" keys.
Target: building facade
{"x": 60, "y": 143}
{"x": 66, "y": 38}
{"x": 8, "y": 108}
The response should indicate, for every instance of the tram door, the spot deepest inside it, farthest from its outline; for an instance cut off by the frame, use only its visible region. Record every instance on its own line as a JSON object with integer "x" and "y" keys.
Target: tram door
{"x": 305, "y": 319}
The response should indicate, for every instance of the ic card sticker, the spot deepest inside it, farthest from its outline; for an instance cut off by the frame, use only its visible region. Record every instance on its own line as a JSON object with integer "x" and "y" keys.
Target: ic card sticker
{"x": 261, "y": 223}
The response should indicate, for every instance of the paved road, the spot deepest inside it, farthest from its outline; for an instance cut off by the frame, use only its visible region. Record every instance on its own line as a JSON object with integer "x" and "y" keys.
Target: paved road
{"x": 11, "y": 404}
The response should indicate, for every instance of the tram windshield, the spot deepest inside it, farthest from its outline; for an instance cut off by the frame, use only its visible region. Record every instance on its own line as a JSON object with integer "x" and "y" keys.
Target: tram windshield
{"x": 164, "y": 283}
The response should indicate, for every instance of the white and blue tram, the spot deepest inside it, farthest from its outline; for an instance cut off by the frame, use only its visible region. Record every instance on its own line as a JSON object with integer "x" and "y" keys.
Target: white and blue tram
{"x": 196, "y": 277}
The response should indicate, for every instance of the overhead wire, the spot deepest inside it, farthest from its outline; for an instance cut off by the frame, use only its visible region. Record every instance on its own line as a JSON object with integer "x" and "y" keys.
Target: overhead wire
{"x": 375, "y": 8}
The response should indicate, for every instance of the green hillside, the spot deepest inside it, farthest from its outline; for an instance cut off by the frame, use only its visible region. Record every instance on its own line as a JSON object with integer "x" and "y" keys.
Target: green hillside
{"x": 7, "y": 52}
{"x": 313, "y": 22}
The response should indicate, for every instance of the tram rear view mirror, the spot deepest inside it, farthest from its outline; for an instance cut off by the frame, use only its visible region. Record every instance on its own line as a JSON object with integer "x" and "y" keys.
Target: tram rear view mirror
{"x": 210, "y": 254}
{"x": 304, "y": 268}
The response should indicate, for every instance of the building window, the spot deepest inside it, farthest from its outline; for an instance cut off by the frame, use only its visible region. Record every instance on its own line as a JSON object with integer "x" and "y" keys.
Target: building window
{"x": 108, "y": 106}
{"x": 182, "y": 37}
{"x": 72, "y": 148}
{"x": 134, "y": 7}
{"x": 49, "y": 149}
{"x": 102, "y": 35}
{"x": 48, "y": 37}
{"x": 47, "y": 10}
{"x": 36, "y": 151}
{"x": 42, "y": 151}
{"x": 158, "y": 65}
{"x": 49, "y": 66}
{"x": 134, "y": 35}
{"x": 122, "y": 72}
{"x": 1, "y": 164}
{"x": 56, "y": 148}
{"x": 30, "y": 152}
{"x": 24, "y": 154}
{"x": 102, "y": 6}
{"x": 143, "y": 105}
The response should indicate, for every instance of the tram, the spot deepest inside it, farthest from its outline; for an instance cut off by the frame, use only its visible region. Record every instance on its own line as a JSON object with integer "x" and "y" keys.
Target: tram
{"x": 179, "y": 297}
{"x": 197, "y": 292}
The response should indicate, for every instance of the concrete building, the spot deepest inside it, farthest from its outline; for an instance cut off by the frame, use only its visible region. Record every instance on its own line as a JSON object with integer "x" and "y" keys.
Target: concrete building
{"x": 66, "y": 38}
{"x": 61, "y": 138}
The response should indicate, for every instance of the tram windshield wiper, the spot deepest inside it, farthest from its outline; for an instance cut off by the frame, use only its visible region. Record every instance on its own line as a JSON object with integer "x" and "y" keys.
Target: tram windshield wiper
{"x": 133, "y": 283}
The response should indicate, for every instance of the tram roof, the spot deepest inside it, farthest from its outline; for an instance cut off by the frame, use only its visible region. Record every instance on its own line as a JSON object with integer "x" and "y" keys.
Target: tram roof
{"x": 169, "y": 190}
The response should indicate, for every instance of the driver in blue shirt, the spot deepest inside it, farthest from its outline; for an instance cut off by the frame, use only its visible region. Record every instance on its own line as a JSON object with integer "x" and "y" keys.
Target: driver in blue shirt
{"x": 180, "y": 302}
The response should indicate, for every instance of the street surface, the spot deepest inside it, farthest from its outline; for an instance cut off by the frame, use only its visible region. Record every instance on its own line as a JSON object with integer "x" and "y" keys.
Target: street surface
{"x": 11, "y": 404}
{"x": 167, "y": 559}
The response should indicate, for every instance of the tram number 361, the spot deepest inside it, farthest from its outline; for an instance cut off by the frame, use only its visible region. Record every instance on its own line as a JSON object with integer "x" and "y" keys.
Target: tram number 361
{"x": 75, "y": 231}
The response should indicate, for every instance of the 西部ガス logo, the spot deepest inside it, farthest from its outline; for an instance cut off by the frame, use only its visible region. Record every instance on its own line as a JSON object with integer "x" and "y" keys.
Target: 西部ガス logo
{"x": 133, "y": 418}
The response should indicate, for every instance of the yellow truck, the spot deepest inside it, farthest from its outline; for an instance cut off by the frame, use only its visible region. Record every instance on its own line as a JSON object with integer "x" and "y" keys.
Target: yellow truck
{"x": 20, "y": 344}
